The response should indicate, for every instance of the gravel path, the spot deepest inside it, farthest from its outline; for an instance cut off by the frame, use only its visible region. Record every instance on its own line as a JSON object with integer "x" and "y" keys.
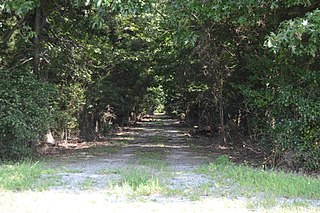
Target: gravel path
{"x": 182, "y": 160}
{"x": 85, "y": 179}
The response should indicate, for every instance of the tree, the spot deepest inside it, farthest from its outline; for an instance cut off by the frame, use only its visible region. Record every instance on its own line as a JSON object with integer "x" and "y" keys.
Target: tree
{"x": 246, "y": 69}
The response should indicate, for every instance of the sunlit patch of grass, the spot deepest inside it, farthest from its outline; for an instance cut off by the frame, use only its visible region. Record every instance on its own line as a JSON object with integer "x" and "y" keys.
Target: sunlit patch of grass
{"x": 25, "y": 176}
{"x": 47, "y": 181}
{"x": 152, "y": 158}
{"x": 190, "y": 194}
{"x": 171, "y": 192}
{"x": 135, "y": 181}
{"x": 256, "y": 204}
{"x": 268, "y": 186}
{"x": 194, "y": 193}
{"x": 204, "y": 189}
{"x": 87, "y": 184}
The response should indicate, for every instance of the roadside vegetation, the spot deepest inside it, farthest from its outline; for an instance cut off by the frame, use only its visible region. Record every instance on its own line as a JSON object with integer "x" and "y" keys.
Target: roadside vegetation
{"x": 266, "y": 188}
{"x": 26, "y": 175}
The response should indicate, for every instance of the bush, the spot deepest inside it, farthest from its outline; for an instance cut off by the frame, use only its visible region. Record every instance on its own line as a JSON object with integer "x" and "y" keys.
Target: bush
{"x": 284, "y": 100}
{"x": 24, "y": 112}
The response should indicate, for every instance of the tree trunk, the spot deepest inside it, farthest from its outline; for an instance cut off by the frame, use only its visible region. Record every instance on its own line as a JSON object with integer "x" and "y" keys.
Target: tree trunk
{"x": 36, "y": 52}
{"x": 87, "y": 125}
{"x": 36, "y": 41}
{"x": 49, "y": 137}
{"x": 221, "y": 112}
{"x": 38, "y": 26}
{"x": 223, "y": 131}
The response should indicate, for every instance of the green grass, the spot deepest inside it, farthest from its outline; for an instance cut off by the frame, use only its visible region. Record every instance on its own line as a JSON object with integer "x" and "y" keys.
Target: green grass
{"x": 25, "y": 176}
{"x": 159, "y": 123}
{"x": 152, "y": 158}
{"x": 265, "y": 190}
{"x": 158, "y": 140}
{"x": 272, "y": 203}
{"x": 109, "y": 171}
{"x": 194, "y": 193}
{"x": 103, "y": 149}
{"x": 251, "y": 181}
{"x": 47, "y": 181}
{"x": 87, "y": 184}
{"x": 175, "y": 192}
{"x": 136, "y": 182}
{"x": 123, "y": 142}
{"x": 145, "y": 173}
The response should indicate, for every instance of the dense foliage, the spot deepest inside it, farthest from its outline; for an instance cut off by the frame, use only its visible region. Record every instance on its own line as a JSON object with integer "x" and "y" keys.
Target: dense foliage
{"x": 246, "y": 69}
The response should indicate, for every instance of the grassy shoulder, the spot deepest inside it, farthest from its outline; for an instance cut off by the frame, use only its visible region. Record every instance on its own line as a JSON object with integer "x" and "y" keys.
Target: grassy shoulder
{"x": 25, "y": 175}
{"x": 270, "y": 187}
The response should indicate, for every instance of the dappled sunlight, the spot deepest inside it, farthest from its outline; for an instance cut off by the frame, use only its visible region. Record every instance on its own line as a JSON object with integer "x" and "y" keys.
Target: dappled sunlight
{"x": 142, "y": 145}
{"x": 224, "y": 147}
{"x": 173, "y": 131}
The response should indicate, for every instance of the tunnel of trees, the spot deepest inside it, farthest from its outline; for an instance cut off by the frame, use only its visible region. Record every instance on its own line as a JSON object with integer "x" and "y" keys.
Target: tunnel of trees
{"x": 247, "y": 69}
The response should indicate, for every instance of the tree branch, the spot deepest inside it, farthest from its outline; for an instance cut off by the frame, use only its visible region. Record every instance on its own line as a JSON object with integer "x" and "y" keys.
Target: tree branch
{"x": 8, "y": 35}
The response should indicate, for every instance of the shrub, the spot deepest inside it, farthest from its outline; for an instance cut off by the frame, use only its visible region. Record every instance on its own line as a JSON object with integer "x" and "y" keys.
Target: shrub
{"x": 24, "y": 112}
{"x": 284, "y": 100}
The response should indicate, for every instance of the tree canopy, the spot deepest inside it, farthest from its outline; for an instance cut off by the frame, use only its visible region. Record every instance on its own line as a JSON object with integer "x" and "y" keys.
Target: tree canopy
{"x": 247, "y": 69}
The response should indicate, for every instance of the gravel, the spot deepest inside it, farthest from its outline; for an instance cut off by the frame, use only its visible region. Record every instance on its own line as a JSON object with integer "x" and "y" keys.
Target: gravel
{"x": 83, "y": 179}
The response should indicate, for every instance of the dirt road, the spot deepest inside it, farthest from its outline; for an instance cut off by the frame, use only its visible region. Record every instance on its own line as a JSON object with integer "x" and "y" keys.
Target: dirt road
{"x": 151, "y": 167}
{"x": 150, "y": 145}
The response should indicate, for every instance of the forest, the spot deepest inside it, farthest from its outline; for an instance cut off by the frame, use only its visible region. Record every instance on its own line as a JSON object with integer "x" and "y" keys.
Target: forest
{"x": 246, "y": 71}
